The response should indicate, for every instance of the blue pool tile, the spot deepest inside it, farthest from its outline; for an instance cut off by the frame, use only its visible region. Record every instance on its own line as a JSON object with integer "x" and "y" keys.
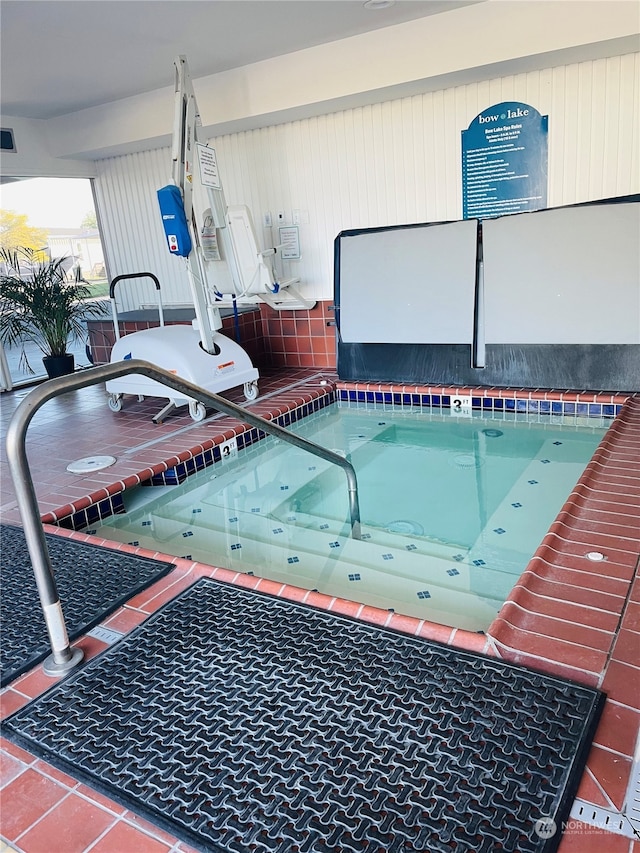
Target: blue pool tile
{"x": 608, "y": 411}
{"x": 544, "y": 406}
{"x": 93, "y": 514}
{"x": 476, "y": 402}
{"x": 510, "y": 405}
{"x": 378, "y": 397}
{"x": 416, "y": 400}
{"x": 425, "y": 400}
{"x": 521, "y": 405}
{"x": 487, "y": 403}
{"x": 445, "y": 400}
{"x": 388, "y": 398}
{"x": 436, "y": 399}
{"x": 498, "y": 404}
{"x": 595, "y": 410}
{"x": 568, "y": 408}
{"x": 556, "y": 407}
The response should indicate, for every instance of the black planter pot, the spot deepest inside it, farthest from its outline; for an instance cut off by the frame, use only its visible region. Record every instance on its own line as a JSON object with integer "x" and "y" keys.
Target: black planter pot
{"x": 59, "y": 365}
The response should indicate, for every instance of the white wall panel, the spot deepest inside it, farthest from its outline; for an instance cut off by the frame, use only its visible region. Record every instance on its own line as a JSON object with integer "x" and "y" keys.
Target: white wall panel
{"x": 391, "y": 163}
{"x": 133, "y": 236}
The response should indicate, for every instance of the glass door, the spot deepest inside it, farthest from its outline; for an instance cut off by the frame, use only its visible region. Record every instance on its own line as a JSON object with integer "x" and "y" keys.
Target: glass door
{"x": 56, "y": 216}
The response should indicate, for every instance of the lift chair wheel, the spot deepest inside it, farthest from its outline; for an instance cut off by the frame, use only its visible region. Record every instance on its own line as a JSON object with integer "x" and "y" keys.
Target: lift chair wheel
{"x": 250, "y": 390}
{"x": 115, "y": 402}
{"x": 198, "y": 411}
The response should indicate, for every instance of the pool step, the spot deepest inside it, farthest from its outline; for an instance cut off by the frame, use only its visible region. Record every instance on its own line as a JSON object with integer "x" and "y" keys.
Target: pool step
{"x": 508, "y": 534}
{"x": 377, "y": 573}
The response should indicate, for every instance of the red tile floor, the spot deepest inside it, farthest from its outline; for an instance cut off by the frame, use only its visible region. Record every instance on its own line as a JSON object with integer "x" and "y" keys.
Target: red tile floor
{"x": 566, "y": 615}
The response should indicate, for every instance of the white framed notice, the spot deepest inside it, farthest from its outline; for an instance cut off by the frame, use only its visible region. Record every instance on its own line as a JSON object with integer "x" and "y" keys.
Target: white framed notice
{"x": 290, "y": 243}
{"x": 209, "y": 174}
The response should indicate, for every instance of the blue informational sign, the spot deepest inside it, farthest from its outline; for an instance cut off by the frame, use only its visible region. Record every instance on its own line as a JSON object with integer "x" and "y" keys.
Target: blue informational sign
{"x": 504, "y": 161}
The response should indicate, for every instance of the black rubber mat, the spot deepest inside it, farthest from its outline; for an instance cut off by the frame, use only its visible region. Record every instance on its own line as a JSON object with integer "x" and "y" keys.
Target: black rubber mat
{"x": 240, "y": 722}
{"x": 92, "y": 582}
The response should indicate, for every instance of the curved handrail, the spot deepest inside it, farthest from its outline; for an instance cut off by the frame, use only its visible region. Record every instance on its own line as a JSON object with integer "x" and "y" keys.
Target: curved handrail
{"x": 63, "y": 657}
{"x": 112, "y": 297}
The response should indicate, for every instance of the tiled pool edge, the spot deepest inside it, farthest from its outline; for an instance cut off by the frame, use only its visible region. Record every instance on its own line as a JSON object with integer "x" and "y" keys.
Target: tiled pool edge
{"x": 593, "y": 789}
{"x": 89, "y": 509}
{"x": 560, "y": 578}
{"x": 542, "y": 401}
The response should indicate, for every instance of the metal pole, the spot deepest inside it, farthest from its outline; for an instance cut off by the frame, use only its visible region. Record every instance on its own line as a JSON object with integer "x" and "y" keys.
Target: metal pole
{"x": 63, "y": 657}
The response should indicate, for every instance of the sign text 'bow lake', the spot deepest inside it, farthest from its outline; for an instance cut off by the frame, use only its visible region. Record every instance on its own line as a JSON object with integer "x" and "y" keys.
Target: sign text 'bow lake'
{"x": 504, "y": 161}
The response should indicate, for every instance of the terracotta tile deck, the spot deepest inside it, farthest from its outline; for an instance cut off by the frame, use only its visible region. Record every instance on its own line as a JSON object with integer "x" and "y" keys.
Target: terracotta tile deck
{"x": 567, "y": 615}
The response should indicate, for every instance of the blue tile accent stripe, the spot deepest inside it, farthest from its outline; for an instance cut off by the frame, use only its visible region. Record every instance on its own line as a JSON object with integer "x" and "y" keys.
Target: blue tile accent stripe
{"x": 490, "y": 404}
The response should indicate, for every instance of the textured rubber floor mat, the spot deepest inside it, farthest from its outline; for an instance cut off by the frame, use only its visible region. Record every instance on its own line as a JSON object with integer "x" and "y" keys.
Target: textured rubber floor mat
{"x": 240, "y": 722}
{"x": 92, "y": 582}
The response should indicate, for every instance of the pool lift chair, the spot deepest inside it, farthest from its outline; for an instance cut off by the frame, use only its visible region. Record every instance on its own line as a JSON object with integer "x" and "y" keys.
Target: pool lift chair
{"x": 224, "y": 267}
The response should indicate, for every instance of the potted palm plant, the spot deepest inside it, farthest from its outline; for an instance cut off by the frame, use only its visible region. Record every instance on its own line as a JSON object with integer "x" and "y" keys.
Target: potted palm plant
{"x": 39, "y": 306}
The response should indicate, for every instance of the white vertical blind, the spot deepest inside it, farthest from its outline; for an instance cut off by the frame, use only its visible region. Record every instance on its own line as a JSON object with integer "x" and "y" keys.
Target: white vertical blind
{"x": 391, "y": 163}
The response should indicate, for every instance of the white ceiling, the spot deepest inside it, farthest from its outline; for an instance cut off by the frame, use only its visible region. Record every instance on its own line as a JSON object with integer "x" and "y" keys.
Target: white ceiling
{"x": 59, "y": 56}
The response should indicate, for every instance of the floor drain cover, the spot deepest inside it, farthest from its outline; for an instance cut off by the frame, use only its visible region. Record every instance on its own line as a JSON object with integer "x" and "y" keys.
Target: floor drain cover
{"x": 90, "y": 463}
